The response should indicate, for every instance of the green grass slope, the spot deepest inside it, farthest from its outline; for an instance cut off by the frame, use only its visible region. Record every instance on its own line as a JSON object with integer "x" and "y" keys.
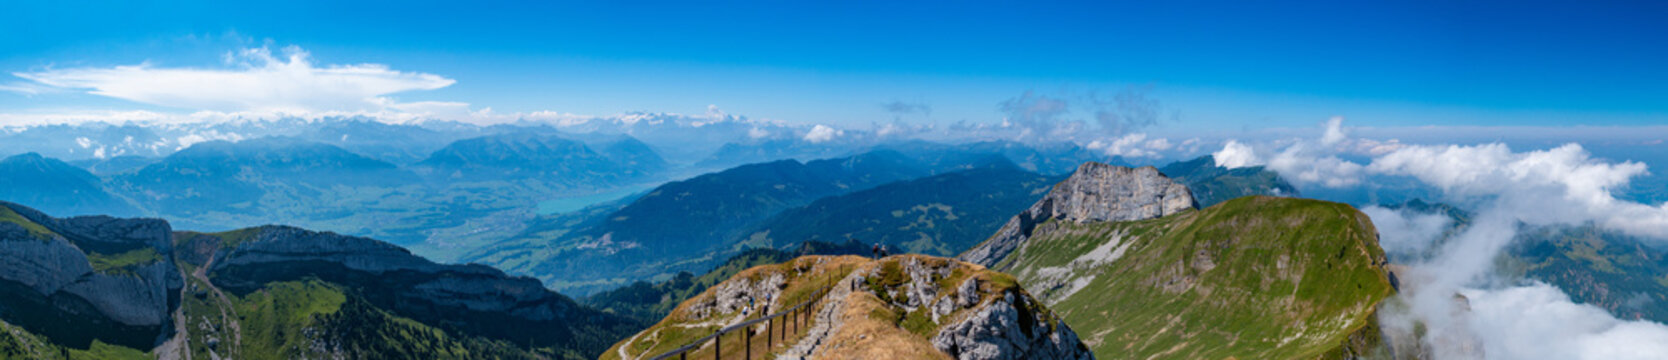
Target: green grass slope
{"x": 1251, "y": 278}
{"x": 316, "y": 319}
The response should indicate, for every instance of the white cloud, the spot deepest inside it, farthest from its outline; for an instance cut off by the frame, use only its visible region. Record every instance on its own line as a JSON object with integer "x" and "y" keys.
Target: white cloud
{"x": 1334, "y": 131}
{"x": 822, "y": 133}
{"x": 27, "y": 88}
{"x": 1540, "y": 322}
{"x": 261, "y": 82}
{"x": 1563, "y": 185}
{"x": 757, "y": 133}
{"x": 1306, "y": 165}
{"x": 205, "y": 136}
{"x": 1132, "y": 145}
{"x": 1236, "y": 155}
{"x": 1406, "y": 232}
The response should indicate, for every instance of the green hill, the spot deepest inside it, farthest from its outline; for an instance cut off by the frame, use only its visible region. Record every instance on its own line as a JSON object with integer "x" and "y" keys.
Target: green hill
{"x": 1251, "y": 278}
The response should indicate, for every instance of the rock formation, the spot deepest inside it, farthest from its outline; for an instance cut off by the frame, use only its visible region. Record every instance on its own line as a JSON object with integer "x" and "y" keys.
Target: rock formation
{"x": 85, "y": 278}
{"x": 906, "y": 306}
{"x": 1096, "y": 192}
{"x": 68, "y": 283}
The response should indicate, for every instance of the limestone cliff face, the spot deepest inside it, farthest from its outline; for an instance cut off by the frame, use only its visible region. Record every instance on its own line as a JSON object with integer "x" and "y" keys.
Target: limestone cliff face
{"x": 51, "y": 283}
{"x": 1096, "y": 192}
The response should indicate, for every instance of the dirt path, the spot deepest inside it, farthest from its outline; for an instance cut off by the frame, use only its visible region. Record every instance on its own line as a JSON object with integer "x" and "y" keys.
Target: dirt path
{"x": 627, "y": 344}
{"x": 827, "y": 321}
{"x": 225, "y": 305}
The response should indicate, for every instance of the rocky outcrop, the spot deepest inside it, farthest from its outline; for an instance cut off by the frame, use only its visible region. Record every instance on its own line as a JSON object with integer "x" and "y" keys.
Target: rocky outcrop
{"x": 49, "y": 284}
{"x": 906, "y": 306}
{"x": 1096, "y": 192}
{"x": 1004, "y": 329}
{"x": 740, "y": 297}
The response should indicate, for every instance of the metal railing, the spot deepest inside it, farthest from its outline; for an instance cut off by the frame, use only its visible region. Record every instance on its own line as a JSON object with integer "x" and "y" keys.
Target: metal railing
{"x": 794, "y": 321}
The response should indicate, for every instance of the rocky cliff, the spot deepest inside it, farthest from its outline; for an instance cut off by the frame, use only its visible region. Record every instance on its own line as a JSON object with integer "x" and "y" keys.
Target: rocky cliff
{"x": 87, "y": 278}
{"x": 102, "y": 287}
{"x": 906, "y": 306}
{"x": 1095, "y": 193}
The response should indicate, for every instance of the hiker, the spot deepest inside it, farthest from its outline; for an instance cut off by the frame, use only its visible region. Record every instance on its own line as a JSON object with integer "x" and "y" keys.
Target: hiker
{"x": 875, "y": 251}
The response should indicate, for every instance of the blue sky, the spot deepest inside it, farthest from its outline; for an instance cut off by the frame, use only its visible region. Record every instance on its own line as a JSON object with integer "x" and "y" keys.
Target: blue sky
{"x": 1217, "y": 64}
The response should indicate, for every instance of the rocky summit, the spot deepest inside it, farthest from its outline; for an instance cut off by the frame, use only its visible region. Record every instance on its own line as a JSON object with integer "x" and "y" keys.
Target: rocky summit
{"x": 1095, "y": 193}
{"x": 899, "y": 307}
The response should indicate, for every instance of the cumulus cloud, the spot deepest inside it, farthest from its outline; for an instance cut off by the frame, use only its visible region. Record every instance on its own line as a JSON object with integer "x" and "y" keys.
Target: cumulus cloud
{"x": 1305, "y": 161}
{"x": 259, "y": 81}
{"x": 1563, "y": 185}
{"x": 822, "y": 133}
{"x": 1540, "y": 322}
{"x": 1132, "y": 145}
{"x": 1236, "y": 155}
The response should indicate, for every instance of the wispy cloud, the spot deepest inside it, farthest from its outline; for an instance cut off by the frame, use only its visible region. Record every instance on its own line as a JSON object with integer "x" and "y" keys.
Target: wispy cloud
{"x": 902, "y": 108}
{"x": 28, "y": 88}
{"x": 257, "y": 81}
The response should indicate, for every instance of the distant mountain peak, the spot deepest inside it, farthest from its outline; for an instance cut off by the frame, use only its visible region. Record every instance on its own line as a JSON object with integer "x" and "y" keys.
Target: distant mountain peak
{"x": 1096, "y": 192}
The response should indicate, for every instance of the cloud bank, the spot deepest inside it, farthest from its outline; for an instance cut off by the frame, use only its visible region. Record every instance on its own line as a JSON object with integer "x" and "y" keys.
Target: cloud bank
{"x": 1450, "y": 287}
{"x": 258, "y": 82}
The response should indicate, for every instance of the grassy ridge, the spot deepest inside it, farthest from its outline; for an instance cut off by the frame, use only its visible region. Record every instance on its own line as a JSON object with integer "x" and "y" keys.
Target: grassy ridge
{"x": 1251, "y": 278}
{"x": 36, "y": 230}
{"x": 314, "y": 319}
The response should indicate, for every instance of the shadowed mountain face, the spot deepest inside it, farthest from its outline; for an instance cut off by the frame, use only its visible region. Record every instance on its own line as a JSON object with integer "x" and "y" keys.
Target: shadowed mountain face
{"x": 85, "y": 279}
{"x": 936, "y": 215}
{"x": 57, "y": 187}
{"x": 687, "y": 225}
{"x": 83, "y": 284}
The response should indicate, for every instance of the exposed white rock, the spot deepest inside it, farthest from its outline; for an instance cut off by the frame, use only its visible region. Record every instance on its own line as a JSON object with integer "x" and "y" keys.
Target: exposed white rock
{"x": 1096, "y": 192}
{"x": 1001, "y": 330}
